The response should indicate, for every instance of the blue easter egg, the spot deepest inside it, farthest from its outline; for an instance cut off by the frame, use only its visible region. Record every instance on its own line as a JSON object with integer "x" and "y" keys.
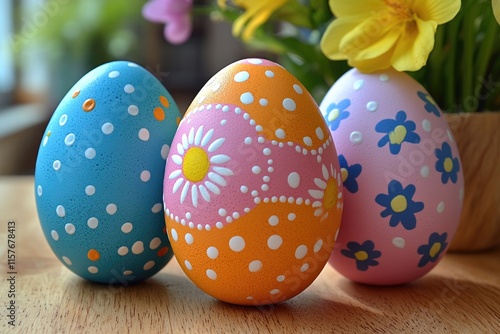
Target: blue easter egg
{"x": 99, "y": 174}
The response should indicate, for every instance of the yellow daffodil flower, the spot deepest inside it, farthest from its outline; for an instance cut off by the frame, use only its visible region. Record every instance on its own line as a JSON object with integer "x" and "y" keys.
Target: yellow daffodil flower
{"x": 496, "y": 9}
{"x": 256, "y": 13}
{"x": 377, "y": 34}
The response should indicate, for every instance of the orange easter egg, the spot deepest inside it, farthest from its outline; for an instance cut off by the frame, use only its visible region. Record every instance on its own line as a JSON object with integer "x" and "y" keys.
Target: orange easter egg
{"x": 252, "y": 187}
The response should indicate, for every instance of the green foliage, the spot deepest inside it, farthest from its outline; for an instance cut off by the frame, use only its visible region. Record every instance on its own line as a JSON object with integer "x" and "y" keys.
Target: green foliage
{"x": 462, "y": 72}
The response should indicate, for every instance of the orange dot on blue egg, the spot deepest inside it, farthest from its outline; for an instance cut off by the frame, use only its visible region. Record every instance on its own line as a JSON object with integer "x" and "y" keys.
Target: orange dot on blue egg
{"x": 164, "y": 101}
{"x": 159, "y": 114}
{"x": 88, "y": 105}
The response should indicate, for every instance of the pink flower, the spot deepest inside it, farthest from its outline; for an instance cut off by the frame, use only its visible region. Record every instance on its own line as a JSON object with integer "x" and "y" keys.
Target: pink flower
{"x": 176, "y": 16}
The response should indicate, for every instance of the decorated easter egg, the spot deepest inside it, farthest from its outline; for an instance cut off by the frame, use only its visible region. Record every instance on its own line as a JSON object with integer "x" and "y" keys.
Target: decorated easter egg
{"x": 99, "y": 175}
{"x": 252, "y": 189}
{"x": 401, "y": 173}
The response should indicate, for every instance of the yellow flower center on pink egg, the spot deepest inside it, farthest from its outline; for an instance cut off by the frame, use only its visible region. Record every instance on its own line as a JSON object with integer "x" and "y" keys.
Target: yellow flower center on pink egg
{"x": 431, "y": 100}
{"x": 333, "y": 115}
{"x": 435, "y": 249}
{"x": 361, "y": 255}
{"x": 399, "y": 204}
{"x": 330, "y": 197}
{"x": 195, "y": 164}
{"x": 448, "y": 165}
{"x": 398, "y": 135}
{"x": 345, "y": 174}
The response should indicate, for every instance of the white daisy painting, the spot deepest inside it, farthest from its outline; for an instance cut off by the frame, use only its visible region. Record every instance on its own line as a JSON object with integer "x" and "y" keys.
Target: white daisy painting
{"x": 328, "y": 193}
{"x": 201, "y": 169}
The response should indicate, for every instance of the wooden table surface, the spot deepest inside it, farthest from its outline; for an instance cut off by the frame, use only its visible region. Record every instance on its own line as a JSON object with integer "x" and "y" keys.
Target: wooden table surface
{"x": 461, "y": 295}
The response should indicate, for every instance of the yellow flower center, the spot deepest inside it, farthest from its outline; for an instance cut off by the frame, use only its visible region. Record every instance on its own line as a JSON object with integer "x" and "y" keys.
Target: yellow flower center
{"x": 431, "y": 100}
{"x": 345, "y": 174}
{"x": 333, "y": 115}
{"x": 448, "y": 165}
{"x": 331, "y": 191}
{"x": 195, "y": 164}
{"x": 435, "y": 249}
{"x": 361, "y": 255}
{"x": 399, "y": 204}
{"x": 398, "y": 135}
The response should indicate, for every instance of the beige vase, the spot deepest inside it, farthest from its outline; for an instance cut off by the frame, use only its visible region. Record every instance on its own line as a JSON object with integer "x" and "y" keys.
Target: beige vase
{"x": 478, "y": 139}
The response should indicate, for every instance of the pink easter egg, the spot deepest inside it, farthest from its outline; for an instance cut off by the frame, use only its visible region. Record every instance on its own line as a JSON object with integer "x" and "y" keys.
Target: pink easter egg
{"x": 402, "y": 177}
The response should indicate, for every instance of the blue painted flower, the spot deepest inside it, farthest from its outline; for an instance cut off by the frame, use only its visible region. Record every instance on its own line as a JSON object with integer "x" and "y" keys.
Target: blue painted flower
{"x": 397, "y": 131}
{"x": 349, "y": 174}
{"x": 400, "y": 205}
{"x": 446, "y": 164}
{"x": 431, "y": 252}
{"x": 337, "y": 112}
{"x": 430, "y": 104}
{"x": 364, "y": 254}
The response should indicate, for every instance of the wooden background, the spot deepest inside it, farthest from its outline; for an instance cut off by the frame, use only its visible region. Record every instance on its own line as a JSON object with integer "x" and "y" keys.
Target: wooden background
{"x": 461, "y": 295}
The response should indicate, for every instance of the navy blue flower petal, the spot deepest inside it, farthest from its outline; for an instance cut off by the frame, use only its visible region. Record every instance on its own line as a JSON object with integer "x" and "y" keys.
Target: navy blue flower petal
{"x": 364, "y": 254}
{"x": 336, "y": 112}
{"x": 430, "y": 104}
{"x": 446, "y": 164}
{"x": 430, "y": 252}
{"x": 399, "y": 205}
{"x": 397, "y": 131}
{"x": 349, "y": 174}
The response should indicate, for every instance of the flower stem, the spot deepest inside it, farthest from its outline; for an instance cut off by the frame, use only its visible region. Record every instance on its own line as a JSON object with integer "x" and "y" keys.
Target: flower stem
{"x": 452, "y": 29}
{"x": 436, "y": 63}
{"x": 295, "y": 13}
{"x": 485, "y": 55}
{"x": 203, "y": 10}
{"x": 471, "y": 11}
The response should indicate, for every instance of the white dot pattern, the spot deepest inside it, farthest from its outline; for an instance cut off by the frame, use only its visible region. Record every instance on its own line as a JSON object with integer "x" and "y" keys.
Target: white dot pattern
{"x": 90, "y": 153}
{"x": 127, "y": 227}
{"x": 289, "y": 104}
{"x": 246, "y": 98}
{"x": 111, "y": 208}
{"x": 129, "y": 89}
{"x": 237, "y": 244}
{"x": 211, "y": 274}
{"x": 274, "y": 242}
{"x": 356, "y": 137}
{"x": 133, "y": 110}
{"x": 212, "y": 252}
{"x": 138, "y": 247}
{"x": 70, "y": 139}
{"x": 268, "y": 142}
{"x": 69, "y": 228}
{"x": 399, "y": 242}
{"x": 144, "y": 134}
{"x": 241, "y": 76}
{"x": 145, "y": 176}
{"x": 60, "y": 211}
{"x": 114, "y": 74}
{"x": 255, "y": 266}
{"x": 301, "y": 252}
{"x": 107, "y": 128}
{"x": 89, "y": 146}
{"x": 93, "y": 222}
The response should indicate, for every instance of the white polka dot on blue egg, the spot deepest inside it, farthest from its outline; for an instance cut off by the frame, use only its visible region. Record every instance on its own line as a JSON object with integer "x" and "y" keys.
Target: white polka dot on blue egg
{"x": 99, "y": 175}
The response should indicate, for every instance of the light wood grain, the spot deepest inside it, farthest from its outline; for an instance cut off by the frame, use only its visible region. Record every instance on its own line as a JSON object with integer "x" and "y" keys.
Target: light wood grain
{"x": 478, "y": 141}
{"x": 461, "y": 295}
